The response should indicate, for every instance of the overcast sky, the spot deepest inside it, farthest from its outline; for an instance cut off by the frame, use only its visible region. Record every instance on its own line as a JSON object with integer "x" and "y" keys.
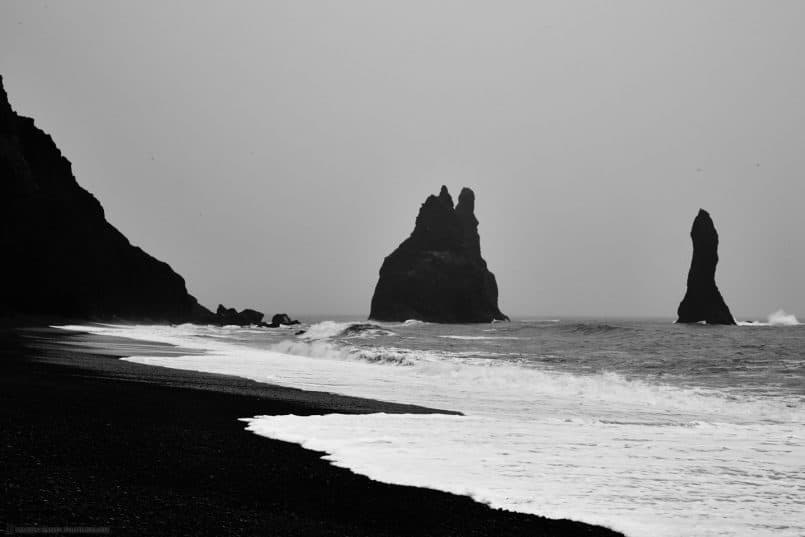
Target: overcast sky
{"x": 275, "y": 152}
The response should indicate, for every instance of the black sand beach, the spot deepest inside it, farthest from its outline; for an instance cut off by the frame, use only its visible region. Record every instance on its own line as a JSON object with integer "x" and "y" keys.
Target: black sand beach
{"x": 90, "y": 441}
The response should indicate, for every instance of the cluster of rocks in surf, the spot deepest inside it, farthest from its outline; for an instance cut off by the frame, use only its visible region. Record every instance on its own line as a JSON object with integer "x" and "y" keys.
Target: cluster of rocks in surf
{"x": 250, "y": 317}
{"x": 437, "y": 274}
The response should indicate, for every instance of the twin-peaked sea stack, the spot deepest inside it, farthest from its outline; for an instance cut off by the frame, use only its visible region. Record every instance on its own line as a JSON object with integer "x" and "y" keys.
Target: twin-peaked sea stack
{"x": 703, "y": 301}
{"x": 437, "y": 274}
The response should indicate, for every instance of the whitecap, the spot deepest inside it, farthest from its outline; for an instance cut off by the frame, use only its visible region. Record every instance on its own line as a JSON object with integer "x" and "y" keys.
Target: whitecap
{"x": 472, "y": 338}
{"x": 777, "y": 318}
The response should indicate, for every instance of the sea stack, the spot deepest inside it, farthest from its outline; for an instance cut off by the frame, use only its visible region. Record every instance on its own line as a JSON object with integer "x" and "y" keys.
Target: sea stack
{"x": 703, "y": 301}
{"x": 60, "y": 255}
{"x": 437, "y": 274}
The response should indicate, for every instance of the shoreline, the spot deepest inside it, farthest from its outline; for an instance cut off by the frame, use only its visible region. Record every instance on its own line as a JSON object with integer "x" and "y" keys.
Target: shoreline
{"x": 90, "y": 440}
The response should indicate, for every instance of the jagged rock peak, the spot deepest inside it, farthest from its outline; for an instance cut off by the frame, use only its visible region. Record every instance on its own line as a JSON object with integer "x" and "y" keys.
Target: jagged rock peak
{"x": 703, "y": 300}
{"x": 703, "y": 232}
{"x": 437, "y": 274}
{"x": 444, "y": 197}
{"x": 465, "y": 211}
{"x": 466, "y": 200}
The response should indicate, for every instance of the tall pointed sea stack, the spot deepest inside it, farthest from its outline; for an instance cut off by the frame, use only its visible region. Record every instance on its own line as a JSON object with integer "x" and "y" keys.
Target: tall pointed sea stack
{"x": 60, "y": 255}
{"x": 703, "y": 301}
{"x": 437, "y": 274}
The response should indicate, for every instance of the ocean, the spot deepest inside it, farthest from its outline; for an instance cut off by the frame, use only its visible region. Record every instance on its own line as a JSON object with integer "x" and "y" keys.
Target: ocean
{"x": 647, "y": 427}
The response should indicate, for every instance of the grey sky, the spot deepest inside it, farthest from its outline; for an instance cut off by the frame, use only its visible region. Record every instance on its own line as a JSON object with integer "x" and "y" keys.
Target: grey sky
{"x": 274, "y": 152}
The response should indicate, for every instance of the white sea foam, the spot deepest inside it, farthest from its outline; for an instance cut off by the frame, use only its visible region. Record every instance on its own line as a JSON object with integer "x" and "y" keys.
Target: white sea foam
{"x": 643, "y": 458}
{"x": 471, "y": 338}
{"x": 359, "y": 330}
{"x": 333, "y": 351}
{"x": 325, "y": 329}
{"x": 674, "y": 480}
{"x": 778, "y": 318}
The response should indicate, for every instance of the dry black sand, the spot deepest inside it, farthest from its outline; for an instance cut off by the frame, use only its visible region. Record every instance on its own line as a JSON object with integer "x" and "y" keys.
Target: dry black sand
{"x": 87, "y": 440}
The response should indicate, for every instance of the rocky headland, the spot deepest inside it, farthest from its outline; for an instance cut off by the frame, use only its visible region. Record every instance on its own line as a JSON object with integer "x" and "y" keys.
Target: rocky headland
{"x": 62, "y": 258}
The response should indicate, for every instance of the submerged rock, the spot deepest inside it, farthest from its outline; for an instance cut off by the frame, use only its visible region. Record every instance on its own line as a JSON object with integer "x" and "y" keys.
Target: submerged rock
{"x": 437, "y": 274}
{"x": 60, "y": 255}
{"x": 703, "y": 301}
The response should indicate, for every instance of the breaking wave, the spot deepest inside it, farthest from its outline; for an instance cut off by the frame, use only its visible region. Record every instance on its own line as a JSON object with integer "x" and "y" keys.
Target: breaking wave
{"x": 333, "y": 329}
{"x": 493, "y": 373}
{"x": 778, "y": 318}
{"x": 334, "y": 351}
{"x": 478, "y": 375}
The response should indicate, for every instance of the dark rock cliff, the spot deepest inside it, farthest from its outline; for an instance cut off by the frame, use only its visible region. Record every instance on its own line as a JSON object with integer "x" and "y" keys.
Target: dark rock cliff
{"x": 437, "y": 274}
{"x": 703, "y": 301}
{"x": 60, "y": 256}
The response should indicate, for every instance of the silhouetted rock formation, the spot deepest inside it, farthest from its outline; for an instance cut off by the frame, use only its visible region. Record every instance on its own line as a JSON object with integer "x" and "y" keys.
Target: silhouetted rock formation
{"x": 247, "y": 317}
{"x": 703, "y": 301}
{"x": 60, "y": 255}
{"x": 224, "y": 315}
{"x": 252, "y": 316}
{"x": 437, "y": 274}
{"x": 282, "y": 319}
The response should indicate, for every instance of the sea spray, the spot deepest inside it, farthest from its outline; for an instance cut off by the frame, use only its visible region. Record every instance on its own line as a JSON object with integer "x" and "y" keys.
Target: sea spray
{"x": 777, "y": 318}
{"x": 781, "y": 318}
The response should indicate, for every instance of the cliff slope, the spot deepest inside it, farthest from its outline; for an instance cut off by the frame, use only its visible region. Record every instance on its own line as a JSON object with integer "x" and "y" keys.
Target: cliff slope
{"x": 60, "y": 255}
